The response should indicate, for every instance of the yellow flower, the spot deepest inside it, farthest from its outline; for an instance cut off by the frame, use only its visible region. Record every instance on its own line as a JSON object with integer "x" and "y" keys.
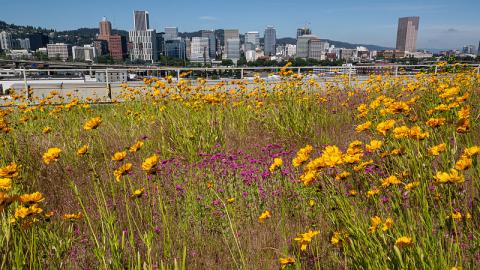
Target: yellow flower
{"x": 404, "y": 241}
{"x": 35, "y": 197}
{"x": 453, "y": 177}
{"x": 463, "y": 125}
{"x": 78, "y": 215}
{"x": 286, "y": 261}
{"x": 264, "y": 216}
{"x": 363, "y": 127}
{"x": 82, "y": 150}
{"x": 302, "y": 156}
{"x": 387, "y": 225}
{"x": 437, "y": 149}
{"x": 23, "y": 212}
{"x": 138, "y": 193}
{"x": 308, "y": 177}
{"x": 305, "y": 238}
{"x": 374, "y": 145}
{"x": 231, "y": 200}
{"x": 456, "y": 268}
{"x": 464, "y": 112}
{"x": 134, "y": 148}
{"x": 436, "y": 122}
{"x": 456, "y": 216}
{"x": 401, "y": 132}
{"x": 5, "y": 184}
{"x": 375, "y": 221}
{"x": 47, "y": 130}
{"x": 391, "y": 180}
{"x": 472, "y": 151}
{"x": 9, "y": 171}
{"x": 372, "y": 192}
{"x": 385, "y": 126}
{"x": 119, "y": 156}
{"x": 51, "y": 155}
{"x": 277, "y": 163}
{"x": 311, "y": 203}
{"x": 122, "y": 170}
{"x": 463, "y": 163}
{"x": 342, "y": 176}
{"x": 92, "y": 123}
{"x": 338, "y": 237}
{"x": 150, "y": 163}
{"x": 412, "y": 185}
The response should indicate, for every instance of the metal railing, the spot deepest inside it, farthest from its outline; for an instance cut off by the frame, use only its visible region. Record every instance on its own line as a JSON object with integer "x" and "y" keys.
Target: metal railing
{"x": 91, "y": 77}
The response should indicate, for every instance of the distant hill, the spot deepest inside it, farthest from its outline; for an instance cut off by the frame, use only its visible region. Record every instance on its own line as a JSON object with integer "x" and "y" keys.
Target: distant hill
{"x": 80, "y": 36}
{"x": 83, "y": 36}
{"x": 338, "y": 44}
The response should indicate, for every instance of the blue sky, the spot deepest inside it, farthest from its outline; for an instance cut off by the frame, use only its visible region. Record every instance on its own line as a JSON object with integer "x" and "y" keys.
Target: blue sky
{"x": 443, "y": 24}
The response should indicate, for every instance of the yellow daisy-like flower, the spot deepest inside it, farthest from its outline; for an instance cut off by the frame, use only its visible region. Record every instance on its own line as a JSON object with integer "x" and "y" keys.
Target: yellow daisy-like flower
{"x": 83, "y": 150}
{"x": 277, "y": 163}
{"x": 404, "y": 241}
{"x": 264, "y": 216}
{"x": 92, "y": 123}
{"x": 5, "y": 183}
{"x": 137, "y": 193}
{"x": 52, "y": 154}
{"x": 149, "y": 164}
{"x": 284, "y": 262}
{"x": 119, "y": 156}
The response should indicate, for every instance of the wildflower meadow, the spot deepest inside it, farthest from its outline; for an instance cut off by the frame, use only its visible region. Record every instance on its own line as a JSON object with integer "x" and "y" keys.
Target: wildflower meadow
{"x": 379, "y": 173}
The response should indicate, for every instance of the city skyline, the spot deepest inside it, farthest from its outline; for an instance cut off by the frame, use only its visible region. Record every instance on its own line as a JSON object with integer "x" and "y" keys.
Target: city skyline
{"x": 444, "y": 25}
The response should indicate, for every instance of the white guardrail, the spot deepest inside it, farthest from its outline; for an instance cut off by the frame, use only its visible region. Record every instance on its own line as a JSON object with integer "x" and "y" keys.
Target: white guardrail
{"x": 98, "y": 77}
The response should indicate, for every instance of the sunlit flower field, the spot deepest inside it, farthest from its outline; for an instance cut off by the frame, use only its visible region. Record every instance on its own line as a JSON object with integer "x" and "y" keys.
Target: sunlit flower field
{"x": 375, "y": 174}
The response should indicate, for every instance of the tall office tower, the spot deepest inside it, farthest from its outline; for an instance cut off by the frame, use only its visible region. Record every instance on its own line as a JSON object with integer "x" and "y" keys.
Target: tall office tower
{"x": 143, "y": 39}
{"x": 105, "y": 29}
{"x": 6, "y": 42}
{"x": 38, "y": 40}
{"x": 170, "y": 33}
{"x": 141, "y": 20}
{"x": 200, "y": 49}
{"x": 212, "y": 42}
{"x": 24, "y": 43}
{"x": 175, "y": 48}
{"x": 407, "y": 34}
{"x": 468, "y": 49}
{"x": 270, "y": 40}
{"x": 303, "y": 45}
{"x": 303, "y": 31}
{"x": 315, "y": 49}
{"x": 232, "y": 44}
{"x": 252, "y": 41}
{"x": 478, "y": 52}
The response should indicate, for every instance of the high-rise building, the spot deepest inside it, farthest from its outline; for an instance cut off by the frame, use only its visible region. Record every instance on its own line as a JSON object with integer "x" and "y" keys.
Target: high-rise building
{"x": 143, "y": 39}
{"x": 478, "y": 52}
{"x": 105, "y": 29}
{"x": 232, "y": 44}
{"x": 101, "y": 46}
{"x": 6, "y": 42}
{"x": 252, "y": 40}
{"x": 303, "y": 43}
{"x": 315, "y": 49}
{"x": 407, "y": 34}
{"x": 200, "y": 49}
{"x": 24, "y": 43}
{"x": 468, "y": 49}
{"x": 290, "y": 50}
{"x": 117, "y": 46}
{"x": 270, "y": 41}
{"x": 175, "y": 48}
{"x": 212, "y": 42}
{"x": 59, "y": 51}
{"x": 38, "y": 40}
{"x": 85, "y": 53}
{"x": 171, "y": 33}
{"x": 303, "y": 31}
{"x": 232, "y": 51}
{"x": 141, "y": 20}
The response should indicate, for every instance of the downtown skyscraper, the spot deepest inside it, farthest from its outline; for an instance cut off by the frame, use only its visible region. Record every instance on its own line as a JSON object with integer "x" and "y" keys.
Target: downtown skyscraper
{"x": 143, "y": 39}
{"x": 270, "y": 41}
{"x": 232, "y": 44}
{"x": 407, "y": 34}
